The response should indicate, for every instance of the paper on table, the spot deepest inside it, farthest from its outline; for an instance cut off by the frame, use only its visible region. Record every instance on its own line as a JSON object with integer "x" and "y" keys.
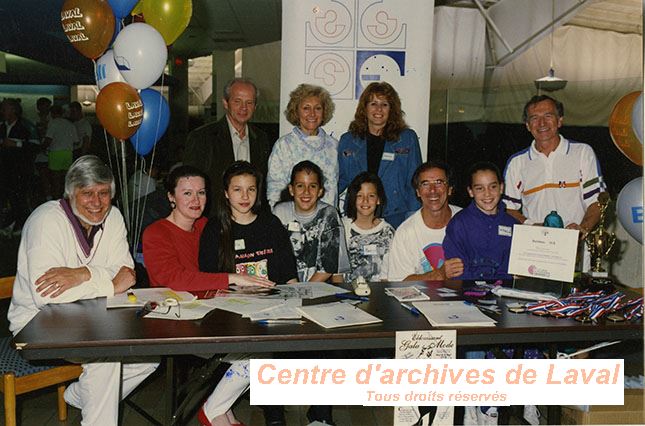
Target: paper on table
{"x": 541, "y": 252}
{"x": 281, "y": 311}
{"x": 337, "y": 314}
{"x": 406, "y": 294}
{"x": 453, "y": 314}
{"x": 188, "y": 311}
{"x": 247, "y": 306}
{"x": 311, "y": 290}
{"x": 144, "y": 295}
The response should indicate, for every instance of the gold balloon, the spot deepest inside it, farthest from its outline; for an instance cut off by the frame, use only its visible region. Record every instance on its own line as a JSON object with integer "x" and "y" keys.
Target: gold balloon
{"x": 88, "y": 25}
{"x": 119, "y": 109}
{"x": 169, "y": 17}
{"x": 621, "y": 130}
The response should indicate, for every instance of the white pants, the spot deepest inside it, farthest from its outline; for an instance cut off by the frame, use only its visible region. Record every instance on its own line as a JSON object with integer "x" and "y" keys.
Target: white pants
{"x": 96, "y": 393}
{"x": 235, "y": 382}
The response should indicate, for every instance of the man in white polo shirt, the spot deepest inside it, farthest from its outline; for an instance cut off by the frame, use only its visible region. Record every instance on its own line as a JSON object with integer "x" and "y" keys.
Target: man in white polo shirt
{"x": 554, "y": 173}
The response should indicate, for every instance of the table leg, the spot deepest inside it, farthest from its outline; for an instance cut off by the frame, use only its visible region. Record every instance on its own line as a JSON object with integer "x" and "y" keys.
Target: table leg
{"x": 170, "y": 392}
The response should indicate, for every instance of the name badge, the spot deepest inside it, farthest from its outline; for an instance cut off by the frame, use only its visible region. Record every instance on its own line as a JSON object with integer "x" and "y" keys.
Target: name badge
{"x": 388, "y": 156}
{"x": 370, "y": 250}
{"x": 239, "y": 245}
{"x": 293, "y": 227}
{"x": 504, "y": 231}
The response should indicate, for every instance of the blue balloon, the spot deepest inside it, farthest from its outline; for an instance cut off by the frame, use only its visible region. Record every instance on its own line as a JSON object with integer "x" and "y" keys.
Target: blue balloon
{"x": 629, "y": 208}
{"x": 122, "y": 8}
{"x": 637, "y": 118}
{"x": 156, "y": 117}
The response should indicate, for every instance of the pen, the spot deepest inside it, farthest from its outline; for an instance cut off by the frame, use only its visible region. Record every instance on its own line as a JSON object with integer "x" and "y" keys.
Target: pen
{"x": 352, "y": 297}
{"x": 411, "y": 308}
{"x": 487, "y": 309}
{"x": 280, "y": 321}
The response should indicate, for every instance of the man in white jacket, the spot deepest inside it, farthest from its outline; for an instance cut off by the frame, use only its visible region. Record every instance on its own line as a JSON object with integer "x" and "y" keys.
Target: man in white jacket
{"x": 76, "y": 248}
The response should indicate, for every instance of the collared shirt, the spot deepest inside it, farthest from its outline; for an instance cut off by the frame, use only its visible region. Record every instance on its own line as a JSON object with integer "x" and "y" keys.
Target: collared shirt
{"x": 567, "y": 181}
{"x": 241, "y": 149}
{"x": 8, "y": 127}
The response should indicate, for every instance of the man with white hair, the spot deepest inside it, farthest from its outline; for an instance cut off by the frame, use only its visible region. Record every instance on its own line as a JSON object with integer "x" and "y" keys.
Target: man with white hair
{"x": 76, "y": 248}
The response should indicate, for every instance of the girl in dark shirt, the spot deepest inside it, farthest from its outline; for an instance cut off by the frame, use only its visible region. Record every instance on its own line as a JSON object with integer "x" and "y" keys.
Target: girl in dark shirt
{"x": 242, "y": 239}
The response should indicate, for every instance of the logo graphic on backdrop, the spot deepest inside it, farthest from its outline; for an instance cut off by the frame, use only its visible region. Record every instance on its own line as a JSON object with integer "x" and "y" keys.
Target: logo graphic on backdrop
{"x": 343, "y": 45}
{"x": 373, "y": 65}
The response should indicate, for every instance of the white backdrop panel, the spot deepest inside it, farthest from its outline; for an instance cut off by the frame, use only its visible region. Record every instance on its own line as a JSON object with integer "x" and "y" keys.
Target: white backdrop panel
{"x": 343, "y": 45}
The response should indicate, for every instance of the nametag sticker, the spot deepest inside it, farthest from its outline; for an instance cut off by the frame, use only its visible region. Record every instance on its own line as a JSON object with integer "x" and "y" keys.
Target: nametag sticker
{"x": 370, "y": 250}
{"x": 505, "y": 231}
{"x": 293, "y": 227}
{"x": 239, "y": 245}
{"x": 388, "y": 156}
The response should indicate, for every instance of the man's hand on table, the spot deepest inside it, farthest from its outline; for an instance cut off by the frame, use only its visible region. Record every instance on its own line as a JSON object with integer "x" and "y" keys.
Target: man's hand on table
{"x": 56, "y": 281}
{"x": 124, "y": 279}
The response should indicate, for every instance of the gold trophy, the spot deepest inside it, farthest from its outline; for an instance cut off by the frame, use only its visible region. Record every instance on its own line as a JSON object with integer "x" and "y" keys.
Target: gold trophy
{"x": 600, "y": 241}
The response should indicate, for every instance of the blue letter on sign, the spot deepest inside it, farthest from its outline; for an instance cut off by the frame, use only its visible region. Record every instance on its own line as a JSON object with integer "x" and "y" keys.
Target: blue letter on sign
{"x": 637, "y": 214}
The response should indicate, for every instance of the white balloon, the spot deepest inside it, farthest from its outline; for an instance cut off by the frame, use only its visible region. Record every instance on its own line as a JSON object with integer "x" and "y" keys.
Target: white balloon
{"x": 637, "y": 117}
{"x": 140, "y": 54}
{"x": 629, "y": 208}
{"x": 106, "y": 70}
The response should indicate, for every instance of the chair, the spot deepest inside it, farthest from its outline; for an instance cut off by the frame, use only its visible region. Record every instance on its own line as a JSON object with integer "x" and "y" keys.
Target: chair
{"x": 19, "y": 376}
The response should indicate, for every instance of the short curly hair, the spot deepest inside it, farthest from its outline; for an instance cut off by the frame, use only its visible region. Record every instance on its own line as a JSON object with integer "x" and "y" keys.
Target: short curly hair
{"x": 304, "y": 91}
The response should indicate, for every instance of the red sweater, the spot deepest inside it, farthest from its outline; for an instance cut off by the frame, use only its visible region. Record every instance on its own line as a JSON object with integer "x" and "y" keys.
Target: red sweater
{"x": 171, "y": 258}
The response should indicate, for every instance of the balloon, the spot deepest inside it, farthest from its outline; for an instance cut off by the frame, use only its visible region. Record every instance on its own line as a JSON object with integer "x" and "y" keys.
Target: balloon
{"x": 140, "y": 54}
{"x": 169, "y": 17}
{"x": 119, "y": 109}
{"x": 88, "y": 25}
{"x": 620, "y": 129}
{"x": 106, "y": 70}
{"x": 629, "y": 208}
{"x": 637, "y": 118}
{"x": 122, "y": 8}
{"x": 137, "y": 9}
{"x": 156, "y": 116}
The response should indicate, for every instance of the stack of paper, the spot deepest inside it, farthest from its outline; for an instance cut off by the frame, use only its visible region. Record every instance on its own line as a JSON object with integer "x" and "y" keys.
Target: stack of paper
{"x": 337, "y": 314}
{"x": 406, "y": 294}
{"x": 453, "y": 314}
{"x": 256, "y": 308}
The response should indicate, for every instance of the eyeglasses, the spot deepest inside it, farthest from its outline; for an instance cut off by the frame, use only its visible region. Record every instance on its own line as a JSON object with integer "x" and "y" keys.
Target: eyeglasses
{"x": 438, "y": 183}
{"x": 163, "y": 308}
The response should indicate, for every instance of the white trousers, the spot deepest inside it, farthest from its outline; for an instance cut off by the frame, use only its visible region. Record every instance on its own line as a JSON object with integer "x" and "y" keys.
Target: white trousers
{"x": 235, "y": 382}
{"x": 96, "y": 393}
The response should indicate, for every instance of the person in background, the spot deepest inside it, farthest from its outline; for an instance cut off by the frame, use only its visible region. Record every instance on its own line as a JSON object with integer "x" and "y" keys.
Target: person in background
{"x": 41, "y": 159}
{"x": 417, "y": 249}
{"x": 16, "y": 167}
{"x": 59, "y": 141}
{"x": 76, "y": 248}
{"x": 368, "y": 236}
{"x": 309, "y": 108}
{"x": 171, "y": 245}
{"x": 554, "y": 173}
{"x": 214, "y": 146}
{"x": 480, "y": 235}
{"x": 380, "y": 142}
{"x": 244, "y": 239}
{"x": 314, "y": 227}
{"x": 83, "y": 129}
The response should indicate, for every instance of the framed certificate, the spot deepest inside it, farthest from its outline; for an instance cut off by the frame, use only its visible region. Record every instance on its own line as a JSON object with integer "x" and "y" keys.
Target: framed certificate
{"x": 541, "y": 252}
